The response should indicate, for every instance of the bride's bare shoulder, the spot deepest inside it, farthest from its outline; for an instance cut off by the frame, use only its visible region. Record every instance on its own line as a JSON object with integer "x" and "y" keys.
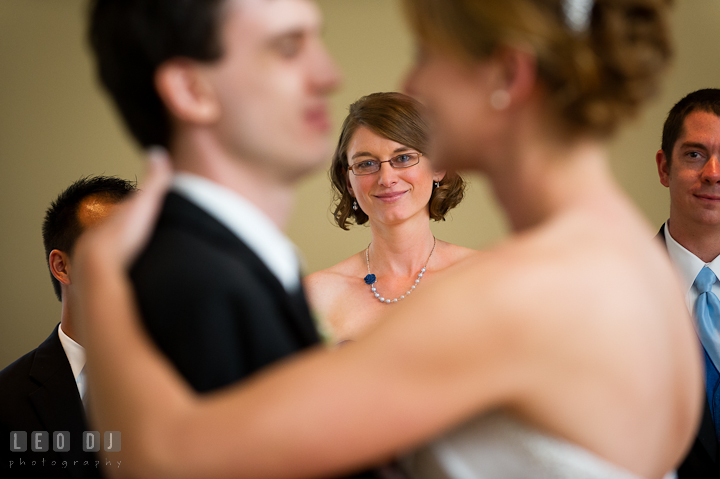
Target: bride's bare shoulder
{"x": 541, "y": 264}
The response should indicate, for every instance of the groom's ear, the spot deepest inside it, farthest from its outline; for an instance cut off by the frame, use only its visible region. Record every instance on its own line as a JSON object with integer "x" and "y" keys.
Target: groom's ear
{"x": 186, "y": 91}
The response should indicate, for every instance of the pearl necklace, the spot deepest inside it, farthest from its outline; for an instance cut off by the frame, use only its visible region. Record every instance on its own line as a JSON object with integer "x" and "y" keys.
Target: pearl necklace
{"x": 372, "y": 280}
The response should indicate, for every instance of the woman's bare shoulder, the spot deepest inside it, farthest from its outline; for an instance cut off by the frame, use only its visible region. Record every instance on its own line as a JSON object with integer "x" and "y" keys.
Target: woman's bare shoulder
{"x": 341, "y": 271}
{"x": 539, "y": 265}
{"x": 461, "y": 252}
{"x": 324, "y": 286}
{"x": 452, "y": 253}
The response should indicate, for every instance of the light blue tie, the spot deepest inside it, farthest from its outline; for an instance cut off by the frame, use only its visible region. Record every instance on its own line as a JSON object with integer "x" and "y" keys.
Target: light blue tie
{"x": 707, "y": 315}
{"x": 707, "y": 312}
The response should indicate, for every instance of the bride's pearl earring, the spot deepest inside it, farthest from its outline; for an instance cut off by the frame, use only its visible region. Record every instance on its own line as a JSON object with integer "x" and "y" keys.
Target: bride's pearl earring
{"x": 500, "y": 99}
{"x": 354, "y": 205}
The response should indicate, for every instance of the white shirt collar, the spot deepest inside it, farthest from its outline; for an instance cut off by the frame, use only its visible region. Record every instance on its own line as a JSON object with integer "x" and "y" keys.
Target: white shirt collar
{"x": 688, "y": 266}
{"x": 247, "y": 222}
{"x": 74, "y": 352}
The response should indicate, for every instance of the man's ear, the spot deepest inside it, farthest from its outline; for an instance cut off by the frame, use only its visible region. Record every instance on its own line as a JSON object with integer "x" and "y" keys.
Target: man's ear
{"x": 186, "y": 91}
{"x": 60, "y": 266}
{"x": 663, "y": 168}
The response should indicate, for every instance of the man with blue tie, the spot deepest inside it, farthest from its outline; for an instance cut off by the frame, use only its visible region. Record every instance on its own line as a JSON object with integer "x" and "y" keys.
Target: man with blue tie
{"x": 689, "y": 166}
{"x": 45, "y": 389}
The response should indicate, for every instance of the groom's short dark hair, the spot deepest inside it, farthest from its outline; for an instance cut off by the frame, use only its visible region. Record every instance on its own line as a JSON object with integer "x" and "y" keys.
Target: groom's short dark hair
{"x": 132, "y": 38}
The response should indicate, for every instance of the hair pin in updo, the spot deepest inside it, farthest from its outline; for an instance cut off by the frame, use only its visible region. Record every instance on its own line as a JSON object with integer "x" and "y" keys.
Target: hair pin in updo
{"x": 577, "y": 14}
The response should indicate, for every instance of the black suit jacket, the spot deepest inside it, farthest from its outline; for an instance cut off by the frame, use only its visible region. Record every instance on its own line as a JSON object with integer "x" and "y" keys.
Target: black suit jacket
{"x": 38, "y": 393}
{"x": 211, "y": 304}
{"x": 702, "y": 460}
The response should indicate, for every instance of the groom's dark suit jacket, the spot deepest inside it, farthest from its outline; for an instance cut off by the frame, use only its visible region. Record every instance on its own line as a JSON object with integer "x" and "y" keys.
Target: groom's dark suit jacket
{"x": 211, "y": 304}
{"x": 38, "y": 393}
{"x": 702, "y": 460}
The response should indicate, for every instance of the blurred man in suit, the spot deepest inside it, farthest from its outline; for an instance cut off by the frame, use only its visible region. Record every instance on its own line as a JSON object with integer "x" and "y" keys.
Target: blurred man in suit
{"x": 237, "y": 92}
{"x": 44, "y": 389}
{"x": 689, "y": 166}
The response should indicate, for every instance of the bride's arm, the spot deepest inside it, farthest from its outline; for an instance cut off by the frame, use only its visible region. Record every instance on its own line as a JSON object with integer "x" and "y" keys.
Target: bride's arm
{"x": 321, "y": 413}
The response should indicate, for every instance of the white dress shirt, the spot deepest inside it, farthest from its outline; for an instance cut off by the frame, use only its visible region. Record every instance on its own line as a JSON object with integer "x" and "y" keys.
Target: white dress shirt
{"x": 247, "y": 222}
{"x": 688, "y": 266}
{"x": 76, "y": 356}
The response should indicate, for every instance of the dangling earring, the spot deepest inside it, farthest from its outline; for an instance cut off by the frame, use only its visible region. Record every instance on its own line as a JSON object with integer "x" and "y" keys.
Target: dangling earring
{"x": 354, "y": 205}
{"x": 500, "y": 99}
{"x": 436, "y": 184}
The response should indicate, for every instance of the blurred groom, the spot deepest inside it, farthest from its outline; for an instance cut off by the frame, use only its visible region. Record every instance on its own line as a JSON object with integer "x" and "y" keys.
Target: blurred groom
{"x": 237, "y": 92}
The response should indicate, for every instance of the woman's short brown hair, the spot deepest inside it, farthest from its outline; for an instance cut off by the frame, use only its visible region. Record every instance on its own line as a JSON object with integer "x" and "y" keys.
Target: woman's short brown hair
{"x": 399, "y": 118}
{"x": 596, "y": 73}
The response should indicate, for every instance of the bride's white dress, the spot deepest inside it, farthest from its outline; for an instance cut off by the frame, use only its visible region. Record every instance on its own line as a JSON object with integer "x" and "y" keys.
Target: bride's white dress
{"x": 497, "y": 446}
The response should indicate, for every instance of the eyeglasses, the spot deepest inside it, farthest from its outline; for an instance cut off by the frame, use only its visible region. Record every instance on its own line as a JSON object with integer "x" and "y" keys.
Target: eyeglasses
{"x": 368, "y": 167}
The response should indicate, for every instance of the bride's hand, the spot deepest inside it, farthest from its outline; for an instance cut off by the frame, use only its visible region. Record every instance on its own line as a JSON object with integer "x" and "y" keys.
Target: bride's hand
{"x": 103, "y": 254}
{"x": 121, "y": 237}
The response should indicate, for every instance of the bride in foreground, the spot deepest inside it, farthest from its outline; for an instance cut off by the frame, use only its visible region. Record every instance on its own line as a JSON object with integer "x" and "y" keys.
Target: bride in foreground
{"x": 564, "y": 352}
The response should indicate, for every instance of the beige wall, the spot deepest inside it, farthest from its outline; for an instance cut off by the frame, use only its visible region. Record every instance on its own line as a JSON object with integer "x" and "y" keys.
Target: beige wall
{"x": 56, "y": 126}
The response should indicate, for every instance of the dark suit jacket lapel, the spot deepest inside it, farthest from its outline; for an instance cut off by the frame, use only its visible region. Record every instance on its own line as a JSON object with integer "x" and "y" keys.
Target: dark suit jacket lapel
{"x": 706, "y": 435}
{"x": 661, "y": 236}
{"x": 181, "y": 212}
{"x": 57, "y": 401}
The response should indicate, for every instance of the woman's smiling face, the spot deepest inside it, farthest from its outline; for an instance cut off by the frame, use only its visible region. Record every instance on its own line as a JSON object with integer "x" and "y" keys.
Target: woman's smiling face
{"x": 390, "y": 195}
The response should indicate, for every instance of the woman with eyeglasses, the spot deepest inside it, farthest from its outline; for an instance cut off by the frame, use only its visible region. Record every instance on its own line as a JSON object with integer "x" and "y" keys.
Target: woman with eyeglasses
{"x": 381, "y": 177}
{"x": 564, "y": 352}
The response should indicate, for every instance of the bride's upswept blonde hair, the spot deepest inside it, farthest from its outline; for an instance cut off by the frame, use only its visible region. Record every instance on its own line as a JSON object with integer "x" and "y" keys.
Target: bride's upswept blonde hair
{"x": 596, "y": 75}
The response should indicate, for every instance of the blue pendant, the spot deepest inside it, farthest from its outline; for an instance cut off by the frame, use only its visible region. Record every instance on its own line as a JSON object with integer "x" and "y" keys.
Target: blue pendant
{"x": 370, "y": 279}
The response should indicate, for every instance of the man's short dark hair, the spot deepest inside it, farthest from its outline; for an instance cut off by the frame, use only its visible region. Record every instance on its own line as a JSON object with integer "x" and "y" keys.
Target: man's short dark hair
{"x": 61, "y": 227}
{"x": 707, "y": 100}
{"x": 132, "y": 38}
